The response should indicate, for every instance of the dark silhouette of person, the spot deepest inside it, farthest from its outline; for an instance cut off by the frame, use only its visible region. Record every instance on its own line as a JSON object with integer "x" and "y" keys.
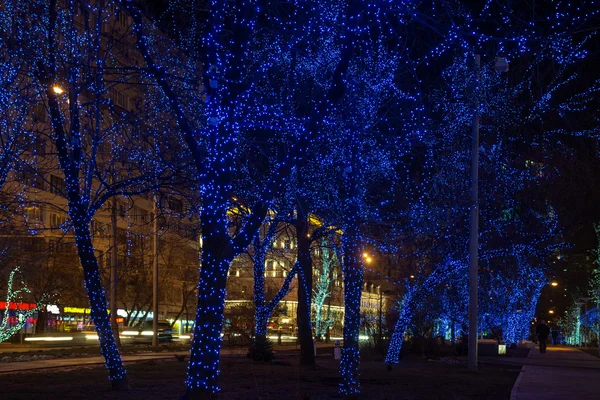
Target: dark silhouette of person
{"x": 542, "y": 331}
{"x": 555, "y": 335}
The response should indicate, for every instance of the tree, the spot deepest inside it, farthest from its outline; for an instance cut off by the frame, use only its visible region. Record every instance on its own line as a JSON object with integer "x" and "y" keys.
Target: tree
{"x": 14, "y": 296}
{"x": 229, "y": 79}
{"x": 102, "y": 148}
{"x": 323, "y": 289}
{"x": 519, "y": 228}
{"x": 272, "y": 230}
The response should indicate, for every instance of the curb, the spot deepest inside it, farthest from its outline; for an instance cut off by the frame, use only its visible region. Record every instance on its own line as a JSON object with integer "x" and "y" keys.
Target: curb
{"x": 515, "y": 389}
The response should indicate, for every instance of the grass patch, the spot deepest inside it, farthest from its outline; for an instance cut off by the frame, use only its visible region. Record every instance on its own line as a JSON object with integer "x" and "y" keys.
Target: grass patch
{"x": 243, "y": 379}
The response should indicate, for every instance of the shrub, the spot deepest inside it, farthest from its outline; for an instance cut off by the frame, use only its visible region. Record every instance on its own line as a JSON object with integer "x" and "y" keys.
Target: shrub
{"x": 261, "y": 349}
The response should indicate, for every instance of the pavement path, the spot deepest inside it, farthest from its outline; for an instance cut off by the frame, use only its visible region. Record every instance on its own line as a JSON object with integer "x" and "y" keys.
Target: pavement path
{"x": 560, "y": 373}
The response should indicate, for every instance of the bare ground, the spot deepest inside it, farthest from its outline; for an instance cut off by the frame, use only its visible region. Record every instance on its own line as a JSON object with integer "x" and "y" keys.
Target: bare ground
{"x": 282, "y": 379}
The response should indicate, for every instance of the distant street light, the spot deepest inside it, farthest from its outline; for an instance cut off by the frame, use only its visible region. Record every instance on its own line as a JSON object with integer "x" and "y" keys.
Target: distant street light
{"x": 554, "y": 284}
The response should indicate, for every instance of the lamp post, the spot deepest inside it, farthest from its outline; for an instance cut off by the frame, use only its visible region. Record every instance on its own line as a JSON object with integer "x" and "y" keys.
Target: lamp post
{"x": 598, "y": 318}
{"x": 500, "y": 66}
{"x": 381, "y": 293}
{"x": 113, "y": 274}
{"x": 155, "y": 276}
{"x": 380, "y": 314}
{"x": 474, "y": 229}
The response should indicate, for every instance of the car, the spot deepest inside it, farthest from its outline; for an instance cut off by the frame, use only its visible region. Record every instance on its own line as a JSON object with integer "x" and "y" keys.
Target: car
{"x": 145, "y": 332}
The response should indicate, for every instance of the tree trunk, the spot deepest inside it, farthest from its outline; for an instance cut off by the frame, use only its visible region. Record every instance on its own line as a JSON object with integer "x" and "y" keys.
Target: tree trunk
{"x": 353, "y": 282}
{"x": 261, "y": 317}
{"x": 307, "y": 355}
{"x": 400, "y": 328}
{"x": 113, "y": 275}
{"x": 262, "y": 321}
{"x": 318, "y": 322}
{"x": 264, "y": 313}
{"x": 97, "y": 297}
{"x": 453, "y": 333}
{"x": 203, "y": 368}
{"x": 40, "y": 325}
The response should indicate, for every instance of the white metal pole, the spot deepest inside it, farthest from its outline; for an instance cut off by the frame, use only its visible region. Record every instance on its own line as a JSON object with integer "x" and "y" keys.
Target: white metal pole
{"x": 474, "y": 231}
{"x": 113, "y": 274}
{"x": 598, "y": 318}
{"x": 155, "y": 278}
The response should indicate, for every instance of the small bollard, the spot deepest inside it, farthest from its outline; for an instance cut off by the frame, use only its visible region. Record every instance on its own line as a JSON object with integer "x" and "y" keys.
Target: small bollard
{"x": 337, "y": 351}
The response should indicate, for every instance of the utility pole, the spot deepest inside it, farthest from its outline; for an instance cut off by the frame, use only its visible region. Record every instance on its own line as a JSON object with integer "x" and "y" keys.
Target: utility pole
{"x": 155, "y": 278}
{"x": 474, "y": 231}
{"x": 598, "y": 318}
{"x": 380, "y": 316}
{"x": 113, "y": 275}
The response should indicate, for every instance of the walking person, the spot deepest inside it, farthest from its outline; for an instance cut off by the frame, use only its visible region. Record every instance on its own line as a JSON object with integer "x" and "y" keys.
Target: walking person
{"x": 542, "y": 331}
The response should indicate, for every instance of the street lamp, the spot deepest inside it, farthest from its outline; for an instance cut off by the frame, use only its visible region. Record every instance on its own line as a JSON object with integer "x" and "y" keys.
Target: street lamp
{"x": 598, "y": 318}
{"x": 501, "y": 65}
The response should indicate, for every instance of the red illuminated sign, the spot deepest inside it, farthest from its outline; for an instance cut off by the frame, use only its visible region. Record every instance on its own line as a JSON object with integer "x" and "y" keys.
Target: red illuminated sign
{"x": 17, "y": 306}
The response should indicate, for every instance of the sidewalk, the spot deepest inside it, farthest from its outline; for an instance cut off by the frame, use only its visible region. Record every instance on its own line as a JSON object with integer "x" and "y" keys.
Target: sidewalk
{"x": 560, "y": 373}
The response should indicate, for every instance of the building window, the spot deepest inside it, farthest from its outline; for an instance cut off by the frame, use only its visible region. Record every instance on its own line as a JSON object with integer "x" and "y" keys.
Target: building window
{"x": 176, "y": 205}
{"x": 119, "y": 98}
{"x": 56, "y": 220}
{"x": 270, "y": 269}
{"x": 33, "y": 180}
{"x": 33, "y": 213}
{"x": 123, "y": 20}
{"x": 287, "y": 244}
{"x": 39, "y": 113}
{"x": 57, "y": 185}
{"x": 100, "y": 229}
